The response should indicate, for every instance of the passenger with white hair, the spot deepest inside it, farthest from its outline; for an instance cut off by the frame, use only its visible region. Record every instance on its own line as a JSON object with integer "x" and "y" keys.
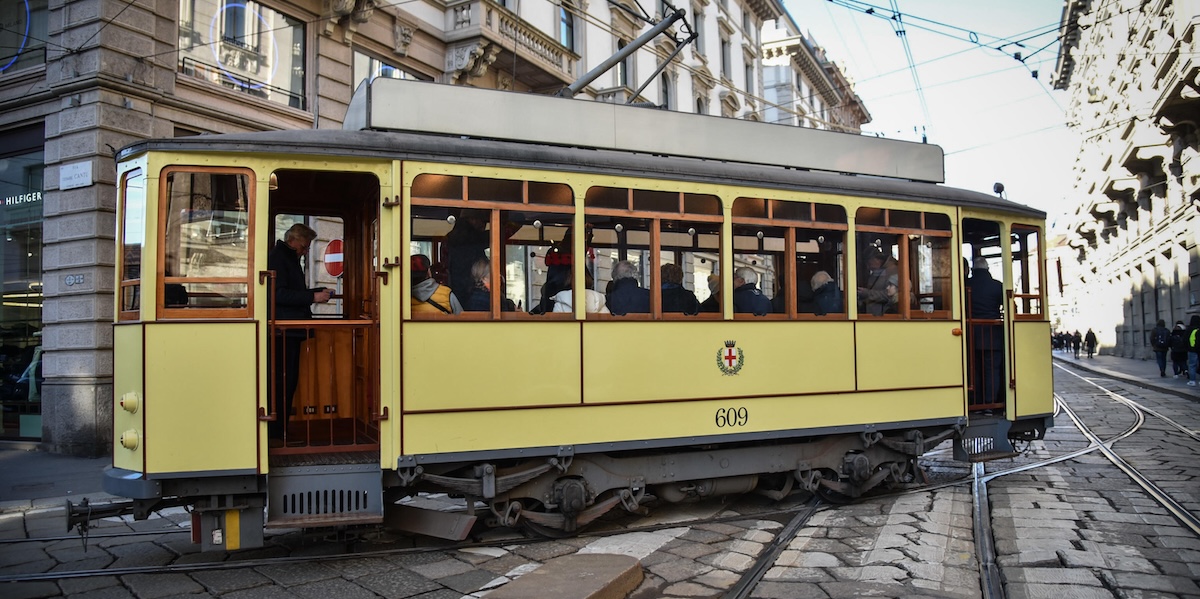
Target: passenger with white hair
{"x": 747, "y": 298}
{"x": 627, "y": 295}
{"x": 827, "y": 298}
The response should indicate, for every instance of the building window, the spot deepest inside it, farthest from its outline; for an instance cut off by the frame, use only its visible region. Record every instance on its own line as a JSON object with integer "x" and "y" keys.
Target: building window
{"x": 566, "y": 26}
{"x": 698, "y": 13}
{"x": 701, "y": 105}
{"x": 623, "y": 67}
{"x": 368, "y": 67}
{"x": 749, "y": 68}
{"x": 23, "y": 34}
{"x": 726, "y": 58}
{"x": 22, "y": 164}
{"x": 666, "y": 92}
{"x": 244, "y": 46}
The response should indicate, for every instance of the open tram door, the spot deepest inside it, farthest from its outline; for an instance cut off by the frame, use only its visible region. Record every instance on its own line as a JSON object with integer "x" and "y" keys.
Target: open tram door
{"x": 329, "y": 362}
{"x": 987, "y": 322}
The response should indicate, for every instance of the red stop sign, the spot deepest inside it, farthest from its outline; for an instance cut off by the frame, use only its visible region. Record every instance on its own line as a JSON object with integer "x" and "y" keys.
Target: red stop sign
{"x": 333, "y": 258}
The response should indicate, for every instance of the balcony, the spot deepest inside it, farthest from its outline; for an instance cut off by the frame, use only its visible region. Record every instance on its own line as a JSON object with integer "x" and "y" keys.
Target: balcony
{"x": 480, "y": 33}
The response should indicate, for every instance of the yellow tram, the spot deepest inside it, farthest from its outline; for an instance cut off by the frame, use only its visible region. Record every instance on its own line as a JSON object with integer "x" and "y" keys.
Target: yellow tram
{"x": 550, "y": 398}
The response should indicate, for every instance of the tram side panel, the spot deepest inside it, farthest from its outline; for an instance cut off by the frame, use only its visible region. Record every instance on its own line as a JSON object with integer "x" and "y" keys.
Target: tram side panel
{"x": 129, "y": 411}
{"x": 1034, "y": 395}
{"x": 200, "y": 398}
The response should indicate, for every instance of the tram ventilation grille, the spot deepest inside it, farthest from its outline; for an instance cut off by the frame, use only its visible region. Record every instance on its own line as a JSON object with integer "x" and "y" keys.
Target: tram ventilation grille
{"x": 325, "y": 501}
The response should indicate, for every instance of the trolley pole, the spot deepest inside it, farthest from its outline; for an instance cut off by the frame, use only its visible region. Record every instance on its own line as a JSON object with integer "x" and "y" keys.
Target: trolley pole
{"x": 622, "y": 54}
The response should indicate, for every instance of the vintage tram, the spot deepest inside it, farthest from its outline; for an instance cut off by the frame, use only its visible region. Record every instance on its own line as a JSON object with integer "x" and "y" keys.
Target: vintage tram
{"x": 538, "y": 415}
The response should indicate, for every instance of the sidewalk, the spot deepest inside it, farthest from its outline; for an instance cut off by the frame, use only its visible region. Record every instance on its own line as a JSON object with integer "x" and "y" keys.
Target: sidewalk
{"x": 1138, "y": 372}
{"x": 33, "y": 480}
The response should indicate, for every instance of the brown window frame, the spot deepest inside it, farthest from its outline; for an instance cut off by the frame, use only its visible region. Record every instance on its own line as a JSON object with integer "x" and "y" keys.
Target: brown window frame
{"x": 906, "y": 265}
{"x": 134, "y": 285}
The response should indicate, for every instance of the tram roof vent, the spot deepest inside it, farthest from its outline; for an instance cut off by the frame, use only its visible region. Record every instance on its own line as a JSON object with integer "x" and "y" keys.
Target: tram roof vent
{"x": 407, "y": 105}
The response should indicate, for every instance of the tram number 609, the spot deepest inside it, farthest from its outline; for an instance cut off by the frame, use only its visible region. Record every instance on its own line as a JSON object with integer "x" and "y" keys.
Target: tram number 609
{"x": 727, "y": 417}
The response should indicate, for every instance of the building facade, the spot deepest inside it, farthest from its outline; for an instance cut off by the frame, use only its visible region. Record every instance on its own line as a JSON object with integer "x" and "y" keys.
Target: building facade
{"x": 80, "y": 79}
{"x": 1131, "y": 68}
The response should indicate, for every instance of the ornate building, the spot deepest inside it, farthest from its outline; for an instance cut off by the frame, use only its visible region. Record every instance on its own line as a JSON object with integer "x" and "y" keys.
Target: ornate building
{"x": 803, "y": 87}
{"x": 81, "y": 79}
{"x": 1132, "y": 71}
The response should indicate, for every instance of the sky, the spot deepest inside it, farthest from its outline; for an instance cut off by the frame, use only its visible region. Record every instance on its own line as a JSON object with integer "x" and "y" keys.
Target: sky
{"x": 995, "y": 121}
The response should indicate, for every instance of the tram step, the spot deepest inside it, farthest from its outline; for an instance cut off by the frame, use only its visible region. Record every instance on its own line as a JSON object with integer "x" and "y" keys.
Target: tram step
{"x": 325, "y": 495}
{"x": 984, "y": 439}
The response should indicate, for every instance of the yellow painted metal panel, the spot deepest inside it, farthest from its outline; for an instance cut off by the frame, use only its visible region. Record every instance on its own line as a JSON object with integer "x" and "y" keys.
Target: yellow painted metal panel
{"x": 639, "y": 361}
{"x": 903, "y": 354}
{"x": 127, "y": 379}
{"x": 575, "y": 425}
{"x": 233, "y": 530}
{"x": 200, "y": 397}
{"x": 1035, "y": 377}
{"x": 460, "y": 365}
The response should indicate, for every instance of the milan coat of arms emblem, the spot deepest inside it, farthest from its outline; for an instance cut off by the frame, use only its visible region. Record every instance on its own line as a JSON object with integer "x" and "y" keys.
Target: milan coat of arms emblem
{"x": 730, "y": 359}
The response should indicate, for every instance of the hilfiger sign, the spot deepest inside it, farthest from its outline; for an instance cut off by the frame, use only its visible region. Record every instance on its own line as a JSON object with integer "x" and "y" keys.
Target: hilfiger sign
{"x": 24, "y": 198}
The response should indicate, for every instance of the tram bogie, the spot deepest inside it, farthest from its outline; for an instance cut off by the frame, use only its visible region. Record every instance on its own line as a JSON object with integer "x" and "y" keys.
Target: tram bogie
{"x": 533, "y": 409}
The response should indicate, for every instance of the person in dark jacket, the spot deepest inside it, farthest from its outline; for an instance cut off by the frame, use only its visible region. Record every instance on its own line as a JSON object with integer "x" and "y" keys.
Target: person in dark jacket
{"x": 827, "y": 298}
{"x": 1090, "y": 342}
{"x": 1193, "y": 342}
{"x": 987, "y": 333}
{"x": 747, "y": 299}
{"x": 627, "y": 295}
{"x": 1076, "y": 343}
{"x": 712, "y": 303}
{"x": 1160, "y": 342}
{"x": 466, "y": 243}
{"x": 1179, "y": 350}
{"x": 675, "y": 297}
{"x": 480, "y": 297}
{"x": 292, "y": 300}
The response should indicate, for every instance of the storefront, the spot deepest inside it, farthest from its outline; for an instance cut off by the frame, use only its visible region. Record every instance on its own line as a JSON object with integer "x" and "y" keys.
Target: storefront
{"x": 22, "y": 166}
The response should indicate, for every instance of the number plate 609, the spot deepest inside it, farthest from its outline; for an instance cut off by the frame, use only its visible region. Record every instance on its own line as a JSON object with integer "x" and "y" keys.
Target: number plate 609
{"x": 727, "y": 417}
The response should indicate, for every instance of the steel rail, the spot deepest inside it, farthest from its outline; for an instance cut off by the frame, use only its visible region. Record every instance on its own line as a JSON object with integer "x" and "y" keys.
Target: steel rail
{"x": 1181, "y": 513}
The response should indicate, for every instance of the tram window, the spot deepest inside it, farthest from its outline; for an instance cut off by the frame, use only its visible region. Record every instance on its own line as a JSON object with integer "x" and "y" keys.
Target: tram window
{"x": 904, "y": 219}
{"x": 695, "y": 247}
{"x": 655, "y": 201}
{"x": 206, "y": 255}
{"x": 820, "y": 251}
{"x": 555, "y": 194}
{"x": 133, "y": 236}
{"x": 328, "y": 228}
{"x": 495, "y": 190}
{"x": 695, "y": 203}
{"x": 444, "y": 187}
{"x": 1026, "y": 271}
{"x": 762, "y": 248}
{"x": 750, "y": 208}
{"x": 621, "y": 239}
{"x": 539, "y": 264}
{"x": 607, "y": 197}
{"x": 930, "y": 258}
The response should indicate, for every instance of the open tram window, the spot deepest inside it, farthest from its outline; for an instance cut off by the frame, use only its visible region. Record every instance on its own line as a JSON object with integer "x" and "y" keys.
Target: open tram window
{"x": 791, "y": 244}
{"x": 205, "y": 252}
{"x": 1026, "y": 272}
{"x": 486, "y": 234}
{"x": 904, "y": 264}
{"x": 654, "y": 250}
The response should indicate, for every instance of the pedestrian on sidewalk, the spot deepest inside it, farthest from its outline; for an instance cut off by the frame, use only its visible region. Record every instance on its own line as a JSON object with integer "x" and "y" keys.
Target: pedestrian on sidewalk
{"x": 1193, "y": 350}
{"x": 1076, "y": 343}
{"x": 1179, "y": 350}
{"x": 1090, "y": 341}
{"x": 1160, "y": 342}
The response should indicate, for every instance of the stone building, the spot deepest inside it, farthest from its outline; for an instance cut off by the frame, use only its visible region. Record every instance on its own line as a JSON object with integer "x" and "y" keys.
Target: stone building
{"x": 80, "y": 79}
{"x": 1131, "y": 68}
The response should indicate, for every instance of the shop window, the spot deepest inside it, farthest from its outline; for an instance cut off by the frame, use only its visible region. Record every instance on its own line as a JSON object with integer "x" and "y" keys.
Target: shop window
{"x": 205, "y": 250}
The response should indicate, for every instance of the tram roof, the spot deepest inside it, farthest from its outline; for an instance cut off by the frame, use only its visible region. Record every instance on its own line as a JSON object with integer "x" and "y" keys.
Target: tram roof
{"x": 463, "y": 150}
{"x": 410, "y": 105}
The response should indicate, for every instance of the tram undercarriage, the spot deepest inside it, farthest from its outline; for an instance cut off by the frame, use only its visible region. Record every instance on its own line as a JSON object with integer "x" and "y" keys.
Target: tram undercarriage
{"x": 562, "y": 494}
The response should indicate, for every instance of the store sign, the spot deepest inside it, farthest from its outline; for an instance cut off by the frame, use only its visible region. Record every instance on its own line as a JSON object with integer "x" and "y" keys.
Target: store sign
{"x": 76, "y": 174}
{"x": 21, "y": 198}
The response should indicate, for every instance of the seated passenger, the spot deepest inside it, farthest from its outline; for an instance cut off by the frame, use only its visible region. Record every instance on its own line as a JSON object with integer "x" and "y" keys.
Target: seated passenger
{"x": 827, "y": 298}
{"x": 595, "y": 300}
{"x": 479, "y": 297}
{"x": 712, "y": 303}
{"x": 747, "y": 299}
{"x": 627, "y": 295}
{"x": 675, "y": 298}
{"x": 427, "y": 296}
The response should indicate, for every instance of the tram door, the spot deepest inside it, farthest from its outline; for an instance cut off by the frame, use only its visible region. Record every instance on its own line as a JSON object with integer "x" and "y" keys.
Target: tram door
{"x": 328, "y": 363}
{"x": 985, "y": 315}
